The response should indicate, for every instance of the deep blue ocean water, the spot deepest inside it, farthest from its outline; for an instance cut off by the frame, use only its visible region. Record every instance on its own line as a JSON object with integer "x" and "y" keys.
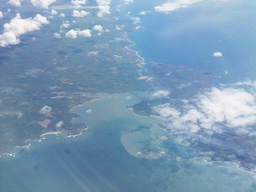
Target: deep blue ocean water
{"x": 191, "y": 36}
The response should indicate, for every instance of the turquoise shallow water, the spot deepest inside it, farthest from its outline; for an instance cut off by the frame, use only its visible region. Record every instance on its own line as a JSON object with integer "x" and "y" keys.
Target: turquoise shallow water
{"x": 98, "y": 161}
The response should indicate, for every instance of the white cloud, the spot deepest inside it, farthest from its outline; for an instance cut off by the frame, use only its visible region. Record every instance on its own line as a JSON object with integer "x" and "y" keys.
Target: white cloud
{"x": 138, "y": 27}
{"x": 78, "y": 3}
{"x": 119, "y": 27}
{"x": 247, "y": 83}
{"x": 57, "y": 35}
{"x": 161, "y": 93}
{"x": 45, "y": 109}
{"x": 230, "y": 107}
{"x": 84, "y": 33}
{"x": 98, "y": 28}
{"x": 59, "y": 124}
{"x": 16, "y": 3}
{"x": 173, "y": 6}
{"x": 144, "y": 12}
{"x": 217, "y": 54}
{"x": 65, "y": 24}
{"x": 1, "y": 14}
{"x": 72, "y": 34}
{"x": 166, "y": 111}
{"x": 103, "y": 7}
{"x": 93, "y": 53}
{"x": 136, "y": 20}
{"x": 62, "y": 15}
{"x": 18, "y": 26}
{"x": 82, "y": 13}
{"x": 103, "y": 10}
{"x": 54, "y": 12}
{"x": 103, "y": 2}
{"x": 42, "y": 3}
{"x": 128, "y": 1}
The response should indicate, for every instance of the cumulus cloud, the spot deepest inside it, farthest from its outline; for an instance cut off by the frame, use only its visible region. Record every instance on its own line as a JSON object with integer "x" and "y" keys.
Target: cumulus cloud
{"x": 1, "y": 14}
{"x": 103, "y": 10}
{"x": 78, "y": 3}
{"x": 42, "y": 3}
{"x": 18, "y": 26}
{"x": 62, "y": 15}
{"x": 161, "y": 93}
{"x": 84, "y": 33}
{"x": 57, "y": 35}
{"x": 173, "y": 6}
{"x": 166, "y": 111}
{"x": 231, "y": 107}
{"x": 16, "y": 3}
{"x": 103, "y": 7}
{"x": 54, "y": 12}
{"x": 217, "y": 54}
{"x": 77, "y": 13}
{"x": 72, "y": 34}
{"x": 98, "y": 28}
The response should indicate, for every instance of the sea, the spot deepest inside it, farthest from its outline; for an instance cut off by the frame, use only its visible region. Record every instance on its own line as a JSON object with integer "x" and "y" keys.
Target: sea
{"x": 104, "y": 158}
{"x": 107, "y": 156}
{"x": 191, "y": 36}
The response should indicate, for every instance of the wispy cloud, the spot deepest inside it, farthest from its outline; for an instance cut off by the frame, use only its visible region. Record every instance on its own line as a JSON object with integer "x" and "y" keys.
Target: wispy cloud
{"x": 128, "y": 1}
{"x": 65, "y": 24}
{"x": 161, "y": 93}
{"x": 136, "y": 20}
{"x": 144, "y": 12}
{"x": 173, "y": 6}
